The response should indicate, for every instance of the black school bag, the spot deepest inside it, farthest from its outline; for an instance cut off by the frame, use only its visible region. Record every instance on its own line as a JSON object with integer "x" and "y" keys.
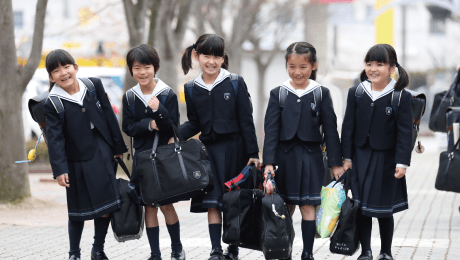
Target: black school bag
{"x": 441, "y": 102}
{"x": 128, "y": 221}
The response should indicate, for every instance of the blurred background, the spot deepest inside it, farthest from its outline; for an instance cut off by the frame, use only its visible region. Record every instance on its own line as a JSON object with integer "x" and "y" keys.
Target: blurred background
{"x": 425, "y": 34}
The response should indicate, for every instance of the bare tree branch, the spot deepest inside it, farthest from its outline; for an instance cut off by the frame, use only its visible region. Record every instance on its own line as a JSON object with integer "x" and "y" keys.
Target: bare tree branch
{"x": 26, "y": 73}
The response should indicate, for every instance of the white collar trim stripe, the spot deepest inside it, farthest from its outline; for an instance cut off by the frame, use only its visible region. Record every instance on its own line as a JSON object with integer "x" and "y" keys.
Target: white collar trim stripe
{"x": 61, "y": 93}
{"x": 311, "y": 86}
{"x": 388, "y": 89}
{"x": 223, "y": 74}
{"x": 156, "y": 91}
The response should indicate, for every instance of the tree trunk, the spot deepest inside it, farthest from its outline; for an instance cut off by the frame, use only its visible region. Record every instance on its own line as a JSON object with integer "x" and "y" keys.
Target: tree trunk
{"x": 14, "y": 181}
{"x": 261, "y": 101}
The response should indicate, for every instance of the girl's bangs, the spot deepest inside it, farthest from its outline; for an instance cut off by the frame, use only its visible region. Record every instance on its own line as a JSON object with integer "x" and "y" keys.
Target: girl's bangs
{"x": 213, "y": 45}
{"x": 377, "y": 53}
{"x": 56, "y": 58}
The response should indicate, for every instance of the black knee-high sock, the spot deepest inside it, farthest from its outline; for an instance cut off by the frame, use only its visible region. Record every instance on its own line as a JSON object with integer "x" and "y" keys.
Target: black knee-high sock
{"x": 364, "y": 225}
{"x": 386, "y": 226}
{"x": 308, "y": 235}
{"x": 153, "y": 234}
{"x": 215, "y": 234}
{"x": 75, "y": 231}
{"x": 174, "y": 233}
{"x": 101, "y": 225}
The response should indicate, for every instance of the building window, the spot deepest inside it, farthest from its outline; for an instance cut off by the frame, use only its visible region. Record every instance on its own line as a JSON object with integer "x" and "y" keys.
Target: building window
{"x": 18, "y": 21}
{"x": 438, "y": 19}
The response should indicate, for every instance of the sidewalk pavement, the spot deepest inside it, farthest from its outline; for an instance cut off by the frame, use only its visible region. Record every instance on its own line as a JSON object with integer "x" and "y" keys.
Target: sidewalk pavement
{"x": 429, "y": 229}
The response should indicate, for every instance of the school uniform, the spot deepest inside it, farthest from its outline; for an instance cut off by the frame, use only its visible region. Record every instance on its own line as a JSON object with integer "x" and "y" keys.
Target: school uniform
{"x": 83, "y": 147}
{"x": 137, "y": 125}
{"x": 377, "y": 140}
{"x": 227, "y": 130}
{"x": 293, "y": 142}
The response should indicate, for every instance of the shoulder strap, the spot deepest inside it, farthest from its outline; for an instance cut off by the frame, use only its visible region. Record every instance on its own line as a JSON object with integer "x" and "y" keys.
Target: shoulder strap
{"x": 395, "y": 100}
{"x": 318, "y": 96}
{"x": 359, "y": 92}
{"x": 90, "y": 86}
{"x": 189, "y": 87}
{"x": 57, "y": 103}
{"x": 234, "y": 81}
{"x": 283, "y": 96}
{"x": 163, "y": 96}
{"x": 130, "y": 97}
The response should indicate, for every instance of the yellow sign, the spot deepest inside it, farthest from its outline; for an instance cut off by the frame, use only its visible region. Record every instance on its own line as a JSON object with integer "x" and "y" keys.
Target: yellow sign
{"x": 384, "y": 23}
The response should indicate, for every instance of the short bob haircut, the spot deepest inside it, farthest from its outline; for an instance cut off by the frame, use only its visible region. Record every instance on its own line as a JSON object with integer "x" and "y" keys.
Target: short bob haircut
{"x": 56, "y": 58}
{"x": 144, "y": 54}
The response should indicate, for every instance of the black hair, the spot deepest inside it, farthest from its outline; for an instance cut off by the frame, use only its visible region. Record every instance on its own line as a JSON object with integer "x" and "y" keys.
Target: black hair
{"x": 303, "y": 48}
{"x": 56, "y": 58}
{"x": 384, "y": 53}
{"x": 143, "y": 54}
{"x": 207, "y": 44}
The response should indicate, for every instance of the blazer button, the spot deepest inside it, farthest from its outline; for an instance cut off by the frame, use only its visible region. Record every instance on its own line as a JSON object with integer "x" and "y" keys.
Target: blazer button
{"x": 160, "y": 115}
{"x": 146, "y": 111}
{"x": 372, "y": 104}
{"x": 210, "y": 93}
{"x": 83, "y": 109}
{"x": 298, "y": 100}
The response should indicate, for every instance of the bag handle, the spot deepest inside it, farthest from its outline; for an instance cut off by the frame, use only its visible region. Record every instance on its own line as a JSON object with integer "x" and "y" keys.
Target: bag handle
{"x": 270, "y": 177}
{"x": 177, "y": 135}
{"x": 123, "y": 166}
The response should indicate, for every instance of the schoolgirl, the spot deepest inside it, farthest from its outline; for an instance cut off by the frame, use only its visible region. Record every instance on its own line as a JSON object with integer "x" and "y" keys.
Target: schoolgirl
{"x": 223, "y": 115}
{"x": 376, "y": 141}
{"x": 293, "y": 138}
{"x": 141, "y": 121}
{"x": 82, "y": 142}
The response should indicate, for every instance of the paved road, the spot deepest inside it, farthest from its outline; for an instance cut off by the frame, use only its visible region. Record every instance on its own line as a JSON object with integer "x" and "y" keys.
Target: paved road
{"x": 430, "y": 229}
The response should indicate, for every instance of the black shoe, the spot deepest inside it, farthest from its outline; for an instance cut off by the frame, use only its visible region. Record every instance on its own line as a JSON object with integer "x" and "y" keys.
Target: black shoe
{"x": 154, "y": 258}
{"x": 365, "y": 255}
{"x": 73, "y": 257}
{"x": 307, "y": 256}
{"x": 216, "y": 254}
{"x": 230, "y": 256}
{"x": 178, "y": 255}
{"x": 99, "y": 256}
{"x": 385, "y": 256}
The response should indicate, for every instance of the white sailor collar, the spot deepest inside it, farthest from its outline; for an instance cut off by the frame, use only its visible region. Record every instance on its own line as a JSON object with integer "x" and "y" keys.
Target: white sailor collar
{"x": 388, "y": 89}
{"x": 61, "y": 93}
{"x": 156, "y": 91}
{"x": 311, "y": 86}
{"x": 223, "y": 74}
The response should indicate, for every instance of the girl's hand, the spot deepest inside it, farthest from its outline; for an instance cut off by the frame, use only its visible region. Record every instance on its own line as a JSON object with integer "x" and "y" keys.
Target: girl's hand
{"x": 337, "y": 172}
{"x": 153, "y": 125}
{"x": 347, "y": 165}
{"x": 269, "y": 169}
{"x": 63, "y": 180}
{"x": 400, "y": 172}
{"x": 154, "y": 103}
{"x": 254, "y": 161}
{"x": 119, "y": 156}
{"x": 171, "y": 140}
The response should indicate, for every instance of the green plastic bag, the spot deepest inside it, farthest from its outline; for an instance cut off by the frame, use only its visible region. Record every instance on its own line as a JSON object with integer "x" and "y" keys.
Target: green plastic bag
{"x": 327, "y": 214}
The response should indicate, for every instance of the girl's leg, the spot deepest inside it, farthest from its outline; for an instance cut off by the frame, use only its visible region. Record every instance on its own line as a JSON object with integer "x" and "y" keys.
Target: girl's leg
{"x": 308, "y": 228}
{"x": 75, "y": 231}
{"x": 153, "y": 231}
{"x": 215, "y": 228}
{"x": 101, "y": 225}
{"x": 172, "y": 223}
{"x": 291, "y": 209}
{"x": 364, "y": 225}
{"x": 386, "y": 226}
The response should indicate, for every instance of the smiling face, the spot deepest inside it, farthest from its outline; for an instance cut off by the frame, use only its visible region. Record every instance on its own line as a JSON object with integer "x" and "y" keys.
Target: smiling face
{"x": 65, "y": 76}
{"x": 210, "y": 64}
{"x": 379, "y": 72}
{"x": 143, "y": 74}
{"x": 300, "y": 69}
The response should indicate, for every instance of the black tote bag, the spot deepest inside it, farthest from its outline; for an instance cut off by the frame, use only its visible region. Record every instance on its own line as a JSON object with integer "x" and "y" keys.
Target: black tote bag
{"x": 448, "y": 178}
{"x": 128, "y": 221}
{"x": 441, "y": 102}
{"x": 180, "y": 170}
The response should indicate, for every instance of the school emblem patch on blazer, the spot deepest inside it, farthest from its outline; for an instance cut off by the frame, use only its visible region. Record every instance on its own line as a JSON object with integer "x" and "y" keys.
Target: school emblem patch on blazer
{"x": 197, "y": 175}
{"x": 227, "y": 96}
{"x": 388, "y": 110}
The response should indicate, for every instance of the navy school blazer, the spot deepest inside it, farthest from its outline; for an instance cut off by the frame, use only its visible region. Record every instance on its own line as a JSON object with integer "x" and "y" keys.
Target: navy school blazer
{"x": 375, "y": 122}
{"x": 74, "y": 140}
{"x": 137, "y": 125}
{"x": 297, "y": 119}
{"x": 215, "y": 113}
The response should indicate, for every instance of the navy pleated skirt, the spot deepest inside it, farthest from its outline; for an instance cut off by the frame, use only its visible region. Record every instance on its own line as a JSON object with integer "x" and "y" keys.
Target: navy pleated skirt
{"x": 300, "y": 173}
{"x": 93, "y": 190}
{"x": 228, "y": 157}
{"x": 374, "y": 185}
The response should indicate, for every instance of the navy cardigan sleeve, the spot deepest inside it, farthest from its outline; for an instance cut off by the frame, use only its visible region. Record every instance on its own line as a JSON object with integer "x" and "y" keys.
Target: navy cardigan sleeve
{"x": 348, "y": 126}
{"x": 331, "y": 136}
{"x": 272, "y": 128}
{"x": 192, "y": 126}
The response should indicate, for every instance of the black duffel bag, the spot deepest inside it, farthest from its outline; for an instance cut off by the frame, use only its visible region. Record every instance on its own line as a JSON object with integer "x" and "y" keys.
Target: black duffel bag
{"x": 242, "y": 215}
{"x": 448, "y": 178}
{"x": 441, "y": 102}
{"x": 277, "y": 229}
{"x": 178, "y": 170}
{"x": 418, "y": 109}
{"x": 128, "y": 221}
